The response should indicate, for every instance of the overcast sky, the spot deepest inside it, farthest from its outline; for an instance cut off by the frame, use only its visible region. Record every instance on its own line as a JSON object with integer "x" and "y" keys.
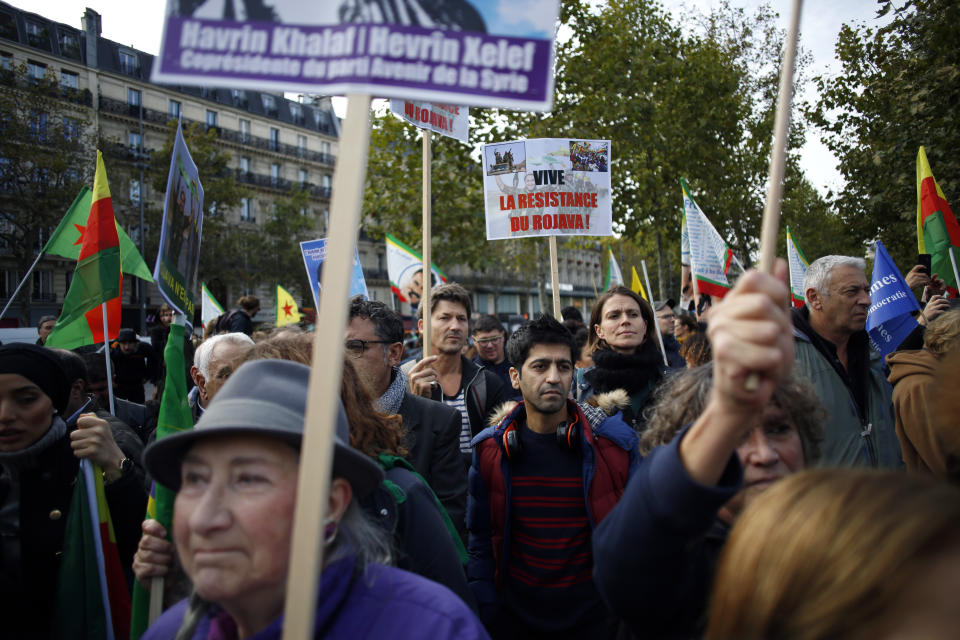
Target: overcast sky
{"x": 138, "y": 24}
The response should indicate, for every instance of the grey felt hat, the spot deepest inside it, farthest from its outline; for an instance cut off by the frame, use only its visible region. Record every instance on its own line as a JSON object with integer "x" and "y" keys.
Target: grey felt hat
{"x": 263, "y": 397}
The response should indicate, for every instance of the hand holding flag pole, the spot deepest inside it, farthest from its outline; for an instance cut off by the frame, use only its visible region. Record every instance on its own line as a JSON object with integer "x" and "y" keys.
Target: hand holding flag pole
{"x": 778, "y": 159}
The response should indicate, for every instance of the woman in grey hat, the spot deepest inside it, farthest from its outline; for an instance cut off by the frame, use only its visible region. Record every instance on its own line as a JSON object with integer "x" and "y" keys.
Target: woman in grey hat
{"x": 236, "y": 479}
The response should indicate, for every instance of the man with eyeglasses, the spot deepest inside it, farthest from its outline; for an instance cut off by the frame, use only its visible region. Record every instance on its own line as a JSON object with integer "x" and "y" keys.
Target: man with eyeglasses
{"x": 665, "y": 318}
{"x": 374, "y": 344}
{"x": 490, "y": 338}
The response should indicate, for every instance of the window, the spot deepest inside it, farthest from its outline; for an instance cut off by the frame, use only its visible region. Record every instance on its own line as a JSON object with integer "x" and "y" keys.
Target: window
{"x": 42, "y": 284}
{"x": 211, "y": 118}
{"x": 269, "y": 104}
{"x": 37, "y": 35}
{"x": 244, "y": 130}
{"x": 325, "y": 181}
{"x": 296, "y": 113}
{"x": 274, "y": 138}
{"x": 38, "y": 126}
{"x": 133, "y": 97}
{"x": 245, "y": 212}
{"x": 301, "y": 145}
{"x": 135, "y": 191}
{"x": 239, "y": 98}
{"x": 245, "y": 165}
{"x": 325, "y": 148}
{"x": 303, "y": 176}
{"x": 8, "y": 26}
{"x": 35, "y": 70}
{"x": 71, "y": 128}
{"x": 69, "y": 80}
{"x": 275, "y": 174}
{"x": 129, "y": 63}
{"x": 6, "y": 61}
{"x": 134, "y": 140}
{"x": 69, "y": 44}
{"x": 175, "y": 107}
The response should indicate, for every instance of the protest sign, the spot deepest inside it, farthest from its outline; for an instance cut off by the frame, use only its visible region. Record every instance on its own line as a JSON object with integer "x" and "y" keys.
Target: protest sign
{"x": 314, "y": 254}
{"x": 889, "y": 319}
{"x": 405, "y": 268}
{"x": 478, "y": 53}
{"x": 446, "y": 119}
{"x": 175, "y": 271}
{"x": 547, "y": 187}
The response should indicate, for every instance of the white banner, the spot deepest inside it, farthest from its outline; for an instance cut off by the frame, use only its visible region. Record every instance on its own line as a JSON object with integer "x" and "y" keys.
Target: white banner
{"x": 446, "y": 119}
{"x": 547, "y": 187}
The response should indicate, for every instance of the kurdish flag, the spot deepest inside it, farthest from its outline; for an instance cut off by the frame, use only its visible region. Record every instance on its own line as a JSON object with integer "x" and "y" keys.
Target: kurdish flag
{"x": 405, "y": 270}
{"x": 287, "y": 310}
{"x": 798, "y": 265}
{"x": 937, "y": 230}
{"x": 67, "y": 238}
{"x": 636, "y": 286}
{"x": 209, "y": 308}
{"x": 711, "y": 260}
{"x": 175, "y": 416}
{"x": 92, "y": 598}
{"x": 97, "y": 278}
{"x": 614, "y": 275}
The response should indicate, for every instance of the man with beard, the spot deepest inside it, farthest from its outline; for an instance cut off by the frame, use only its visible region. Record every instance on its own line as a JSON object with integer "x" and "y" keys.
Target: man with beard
{"x": 445, "y": 375}
{"x": 541, "y": 480}
{"x": 374, "y": 345}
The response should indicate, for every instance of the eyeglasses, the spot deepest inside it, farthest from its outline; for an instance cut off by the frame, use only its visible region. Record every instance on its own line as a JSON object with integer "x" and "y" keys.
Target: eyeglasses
{"x": 490, "y": 340}
{"x": 356, "y": 348}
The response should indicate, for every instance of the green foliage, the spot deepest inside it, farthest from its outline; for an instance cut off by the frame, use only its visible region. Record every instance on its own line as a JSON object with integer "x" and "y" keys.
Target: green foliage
{"x": 47, "y": 153}
{"x": 899, "y": 88}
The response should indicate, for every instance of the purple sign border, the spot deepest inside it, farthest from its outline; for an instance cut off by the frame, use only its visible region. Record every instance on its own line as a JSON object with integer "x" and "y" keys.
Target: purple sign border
{"x": 463, "y": 67}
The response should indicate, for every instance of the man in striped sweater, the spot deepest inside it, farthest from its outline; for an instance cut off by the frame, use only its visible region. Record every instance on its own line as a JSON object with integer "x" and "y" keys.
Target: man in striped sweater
{"x": 542, "y": 478}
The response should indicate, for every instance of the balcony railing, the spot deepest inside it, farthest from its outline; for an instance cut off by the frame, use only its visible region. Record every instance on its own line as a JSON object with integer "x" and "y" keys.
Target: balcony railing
{"x": 121, "y": 108}
{"x": 281, "y": 184}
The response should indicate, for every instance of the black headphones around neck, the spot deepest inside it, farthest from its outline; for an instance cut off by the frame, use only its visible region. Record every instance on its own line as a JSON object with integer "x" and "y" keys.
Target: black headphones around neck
{"x": 568, "y": 437}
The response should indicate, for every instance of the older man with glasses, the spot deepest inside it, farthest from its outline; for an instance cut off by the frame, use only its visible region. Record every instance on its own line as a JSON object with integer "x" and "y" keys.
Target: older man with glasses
{"x": 374, "y": 344}
{"x": 665, "y": 318}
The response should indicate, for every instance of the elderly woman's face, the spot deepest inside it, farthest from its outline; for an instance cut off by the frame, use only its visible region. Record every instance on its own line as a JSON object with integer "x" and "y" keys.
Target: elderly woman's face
{"x": 26, "y": 412}
{"x": 233, "y": 519}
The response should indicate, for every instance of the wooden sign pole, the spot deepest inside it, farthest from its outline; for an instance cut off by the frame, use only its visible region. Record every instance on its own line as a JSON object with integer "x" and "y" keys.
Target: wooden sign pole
{"x": 427, "y": 275}
{"x": 316, "y": 453}
{"x": 555, "y": 276}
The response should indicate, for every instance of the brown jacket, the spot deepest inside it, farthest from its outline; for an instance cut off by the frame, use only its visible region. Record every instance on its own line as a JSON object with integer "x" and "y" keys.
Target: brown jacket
{"x": 912, "y": 377}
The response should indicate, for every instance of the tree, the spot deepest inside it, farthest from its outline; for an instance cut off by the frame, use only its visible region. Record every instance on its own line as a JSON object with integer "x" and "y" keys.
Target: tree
{"x": 46, "y": 155}
{"x": 279, "y": 259}
{"x": 898, "y": 89}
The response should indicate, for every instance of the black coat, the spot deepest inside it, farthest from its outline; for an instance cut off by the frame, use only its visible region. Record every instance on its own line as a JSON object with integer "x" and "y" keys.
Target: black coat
{"x": 433, "y": 445}
{"x": 44, "y": 505}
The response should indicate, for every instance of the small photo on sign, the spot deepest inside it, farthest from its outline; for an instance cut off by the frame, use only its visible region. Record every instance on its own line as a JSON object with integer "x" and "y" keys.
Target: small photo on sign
{"x": 589, "y": 156}
{"x": 509, "y": 157}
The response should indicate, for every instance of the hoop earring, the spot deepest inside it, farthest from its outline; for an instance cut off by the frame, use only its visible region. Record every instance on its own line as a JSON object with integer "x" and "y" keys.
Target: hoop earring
{"x": 330, "y": 528}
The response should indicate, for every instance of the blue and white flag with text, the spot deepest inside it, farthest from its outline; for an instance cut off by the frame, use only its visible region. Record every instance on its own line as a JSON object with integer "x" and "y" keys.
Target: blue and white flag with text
{"x": 891, "y": 302}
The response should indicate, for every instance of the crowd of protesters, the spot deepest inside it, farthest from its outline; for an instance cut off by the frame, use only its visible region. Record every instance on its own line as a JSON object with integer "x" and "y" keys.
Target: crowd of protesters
{"x": 749, "y": 471}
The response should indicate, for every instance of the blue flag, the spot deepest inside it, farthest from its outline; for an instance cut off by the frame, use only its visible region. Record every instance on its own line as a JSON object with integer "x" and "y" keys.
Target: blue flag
{"x": 889, "y": 321}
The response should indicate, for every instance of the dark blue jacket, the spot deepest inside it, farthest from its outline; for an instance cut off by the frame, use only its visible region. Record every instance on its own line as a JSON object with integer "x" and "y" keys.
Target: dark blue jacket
{"x": 610, "y": 456}
{"x": 381, "y": 602}
{"x": 654, "y": 555}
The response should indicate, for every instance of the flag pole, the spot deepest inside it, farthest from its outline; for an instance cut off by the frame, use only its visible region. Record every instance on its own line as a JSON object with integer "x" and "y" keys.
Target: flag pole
{"x": 953, "y": 261}
{"x": 106, "y": 356}
{"x": 663, "y": 350}
{"x": 24, "y": 280}
{"x": 316, "y": 456}
{"x": 426, "y": 275}
{"x": 778, "y": 159}
{"x": 555, "y": 276}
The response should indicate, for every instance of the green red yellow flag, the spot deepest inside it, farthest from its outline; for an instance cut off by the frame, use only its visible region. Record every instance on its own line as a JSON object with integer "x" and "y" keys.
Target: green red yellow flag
{"x": 937, "y": 228}
{"x": 175, "y": 416}
{"x": 636, "y": 286}
{"x": 92, "y": 598}
{"x": 97, "y": 278}
{"x": 67, "y": 238}
{"x": 287, "y": 310}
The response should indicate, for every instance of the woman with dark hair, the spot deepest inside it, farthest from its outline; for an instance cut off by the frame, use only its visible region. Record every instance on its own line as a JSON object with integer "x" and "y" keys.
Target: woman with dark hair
{"x": 39, "y": 462}
{"x": 623, "y": 343}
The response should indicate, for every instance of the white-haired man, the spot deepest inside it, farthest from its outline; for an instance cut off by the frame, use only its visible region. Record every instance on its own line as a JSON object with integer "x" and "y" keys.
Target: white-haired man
{"x": 212, "y": 365}
{"x": 833, "y": 351}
